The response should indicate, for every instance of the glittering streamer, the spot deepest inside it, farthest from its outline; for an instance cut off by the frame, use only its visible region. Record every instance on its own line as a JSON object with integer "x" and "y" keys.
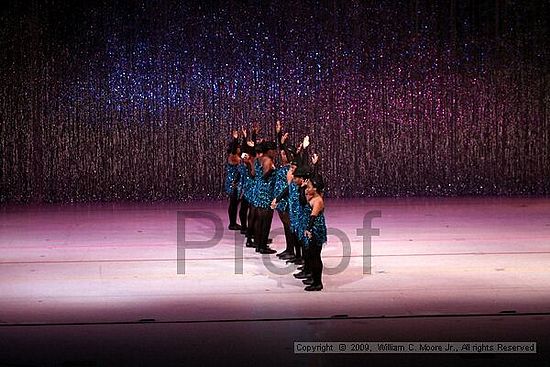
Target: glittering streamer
{"x": 135, "y": 100}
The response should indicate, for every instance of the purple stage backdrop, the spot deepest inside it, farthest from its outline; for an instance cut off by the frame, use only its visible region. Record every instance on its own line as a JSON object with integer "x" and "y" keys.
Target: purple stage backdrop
{"x": 135, "y": 100}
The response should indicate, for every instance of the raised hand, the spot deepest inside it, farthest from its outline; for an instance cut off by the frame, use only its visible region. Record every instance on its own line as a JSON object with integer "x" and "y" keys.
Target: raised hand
{"x": 284, "y": 138}
{"x": 315, "y": 158}
{"x": 305, "y": 143}
{"x": 243, "y": 129}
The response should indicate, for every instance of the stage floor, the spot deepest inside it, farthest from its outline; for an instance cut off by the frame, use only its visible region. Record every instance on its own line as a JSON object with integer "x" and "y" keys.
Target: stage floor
{"x": 97, "y": 284}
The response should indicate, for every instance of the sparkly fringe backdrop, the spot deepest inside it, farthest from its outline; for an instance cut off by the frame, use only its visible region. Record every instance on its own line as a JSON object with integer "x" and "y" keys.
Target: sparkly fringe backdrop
{"x": 135, "y": 100}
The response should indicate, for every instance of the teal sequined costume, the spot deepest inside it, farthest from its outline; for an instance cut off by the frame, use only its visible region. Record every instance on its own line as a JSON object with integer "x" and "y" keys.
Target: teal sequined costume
{"x": 296, "y": 211}
{"x": 264, "y": 189}
{"x": 319, "y": 230}
{"x": 251, "y": 184}
{"x": 248, "y": 184}
{"x": 233, "y": 179}
{"x": 253, "y": 194}
{"x": 281, "y": 184}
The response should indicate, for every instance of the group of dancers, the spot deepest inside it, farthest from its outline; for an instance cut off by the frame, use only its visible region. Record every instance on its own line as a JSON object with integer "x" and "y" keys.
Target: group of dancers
{"x": 265, "y": 176}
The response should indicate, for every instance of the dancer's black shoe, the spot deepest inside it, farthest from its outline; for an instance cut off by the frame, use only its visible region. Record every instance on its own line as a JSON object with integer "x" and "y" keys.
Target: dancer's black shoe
{"x": 243, "y": 230}
{"x": 234, "y": 227}
{"x": 302, "y": 275}
{"x": 291, "y": 260}
{"x": 287, "y": 256}
{"x": 282, "y": 253}
{"x": 299, "y": 261}
{"x": 300, "y": 268}
{"x": 313, "y": 287}
{"x": 267, "y": 250}
{"x": 307, "y": 281}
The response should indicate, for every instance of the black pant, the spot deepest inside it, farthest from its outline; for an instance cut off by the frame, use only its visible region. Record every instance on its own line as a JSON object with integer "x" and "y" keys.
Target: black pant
{"x": 315, "y": 262}
{"x": 262, "y": 226}
{"x": 233, "y": 206}
{"x": 243, "y": 212}
{"x": 307, "y": 259}
{"x": 289, "y": 238}
{"x": 297, "y": 245}
{"x": 252, "y": 211}
{"x": 312, "y": 261}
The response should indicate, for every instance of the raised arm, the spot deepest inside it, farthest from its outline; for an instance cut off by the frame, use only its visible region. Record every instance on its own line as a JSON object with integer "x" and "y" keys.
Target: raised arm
{"x": 302, "y": 152}
{"x": 315, "y": 161}
{"x": 279, "y": 133}
{"x": 234, "y": 144}
{"x": 254, "y": 134}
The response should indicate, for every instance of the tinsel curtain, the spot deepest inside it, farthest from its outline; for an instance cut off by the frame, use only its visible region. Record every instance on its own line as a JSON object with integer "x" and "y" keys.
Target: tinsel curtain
{"x": 135, "y": 100}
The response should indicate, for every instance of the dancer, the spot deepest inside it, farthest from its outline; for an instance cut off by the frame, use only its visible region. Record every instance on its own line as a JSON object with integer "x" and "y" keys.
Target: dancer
{"x": 315, "y": 234}
{"x": 265, "y": 184}
{"x": 293, "y": 192}
{"x": 249, "y": 186}
{"x": 281, "y": 184}
{"x": 233, "y": 183}
{"x": 299, "y": 216}
{"x": 255, "y": 152}
{"x": 246, "y": 157}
